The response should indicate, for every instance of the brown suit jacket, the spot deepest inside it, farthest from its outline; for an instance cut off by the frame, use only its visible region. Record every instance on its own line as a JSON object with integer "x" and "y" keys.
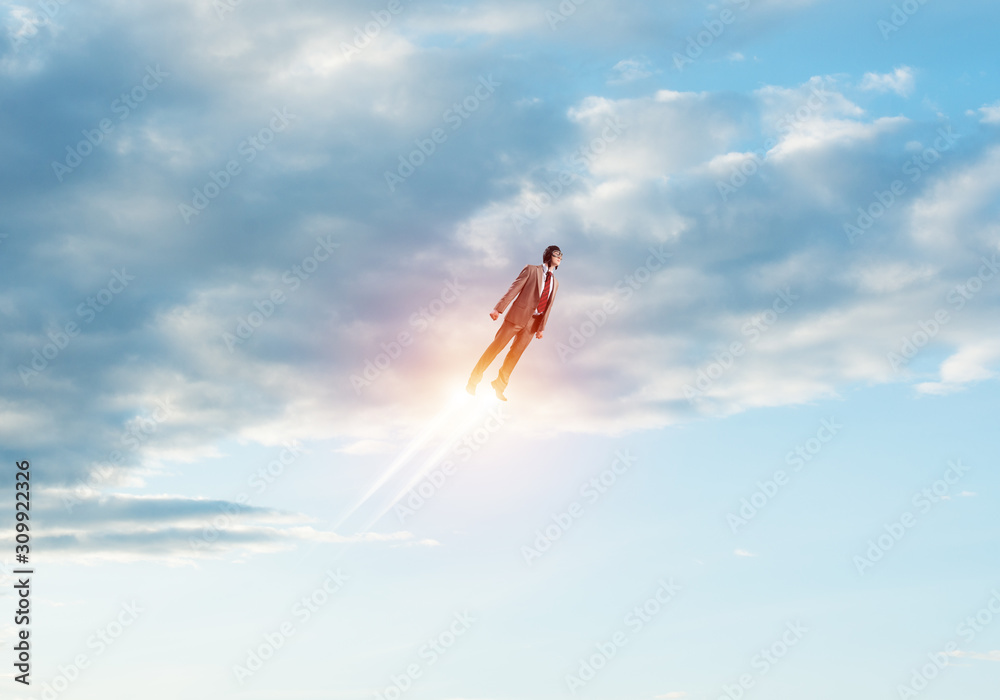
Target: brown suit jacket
{"x": 528, "y": 289}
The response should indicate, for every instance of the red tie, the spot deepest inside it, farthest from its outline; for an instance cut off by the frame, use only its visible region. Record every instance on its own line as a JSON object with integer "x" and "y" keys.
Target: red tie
{"x": 543, "y": 301}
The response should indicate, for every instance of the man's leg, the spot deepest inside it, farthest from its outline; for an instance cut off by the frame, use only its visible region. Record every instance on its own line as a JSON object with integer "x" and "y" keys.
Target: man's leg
{"x": 503, "y": 336}
{"x": 521, "y": 341}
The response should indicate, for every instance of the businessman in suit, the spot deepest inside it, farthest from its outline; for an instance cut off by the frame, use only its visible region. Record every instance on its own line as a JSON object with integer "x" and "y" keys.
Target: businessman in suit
{"x": 535, "y": 289}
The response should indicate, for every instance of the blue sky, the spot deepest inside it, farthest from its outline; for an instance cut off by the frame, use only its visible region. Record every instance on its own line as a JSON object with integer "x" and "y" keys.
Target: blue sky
{"x": 249, "y": 258}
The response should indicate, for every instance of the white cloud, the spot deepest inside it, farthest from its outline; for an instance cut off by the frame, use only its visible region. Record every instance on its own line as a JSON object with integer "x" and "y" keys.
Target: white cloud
{"x": 654, "y": 184}
{"x": 901, "y": 81}
{"x": 970, "y": 364}
{"x": 955, "y": 208}
{"x": 631, "y": 69}
{"x": 820, "y": 173}
{"x": 482, "y": 18}
{"x": 888, "y": 277}
{"x": 990, "y": 113}
{"x": 821, "y": 134}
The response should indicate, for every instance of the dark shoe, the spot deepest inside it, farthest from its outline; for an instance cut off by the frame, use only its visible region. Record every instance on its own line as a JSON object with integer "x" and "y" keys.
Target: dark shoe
{"x": 471, "y": 387}
{"x": 498, "y": 387}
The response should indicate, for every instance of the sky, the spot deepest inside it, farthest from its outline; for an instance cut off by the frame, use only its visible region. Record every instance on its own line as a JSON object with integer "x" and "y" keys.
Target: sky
{"x": 248, "y": 255}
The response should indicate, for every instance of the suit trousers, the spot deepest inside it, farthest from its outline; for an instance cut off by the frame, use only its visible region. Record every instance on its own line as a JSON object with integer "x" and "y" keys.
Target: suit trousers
{"x": 522, "y": 335}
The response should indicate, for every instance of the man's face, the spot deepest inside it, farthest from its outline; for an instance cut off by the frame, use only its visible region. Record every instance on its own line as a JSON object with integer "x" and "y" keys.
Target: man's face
{"x": 555, "y": 259}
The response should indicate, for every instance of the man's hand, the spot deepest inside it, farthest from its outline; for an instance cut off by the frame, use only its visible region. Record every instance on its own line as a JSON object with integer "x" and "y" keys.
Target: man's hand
{"x": 494, "y": 315}
{"x": 538, "y": 335}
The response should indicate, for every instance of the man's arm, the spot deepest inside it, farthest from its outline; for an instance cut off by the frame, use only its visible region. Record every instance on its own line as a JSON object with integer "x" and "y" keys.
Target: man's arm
{"x": 512, "y": 293}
